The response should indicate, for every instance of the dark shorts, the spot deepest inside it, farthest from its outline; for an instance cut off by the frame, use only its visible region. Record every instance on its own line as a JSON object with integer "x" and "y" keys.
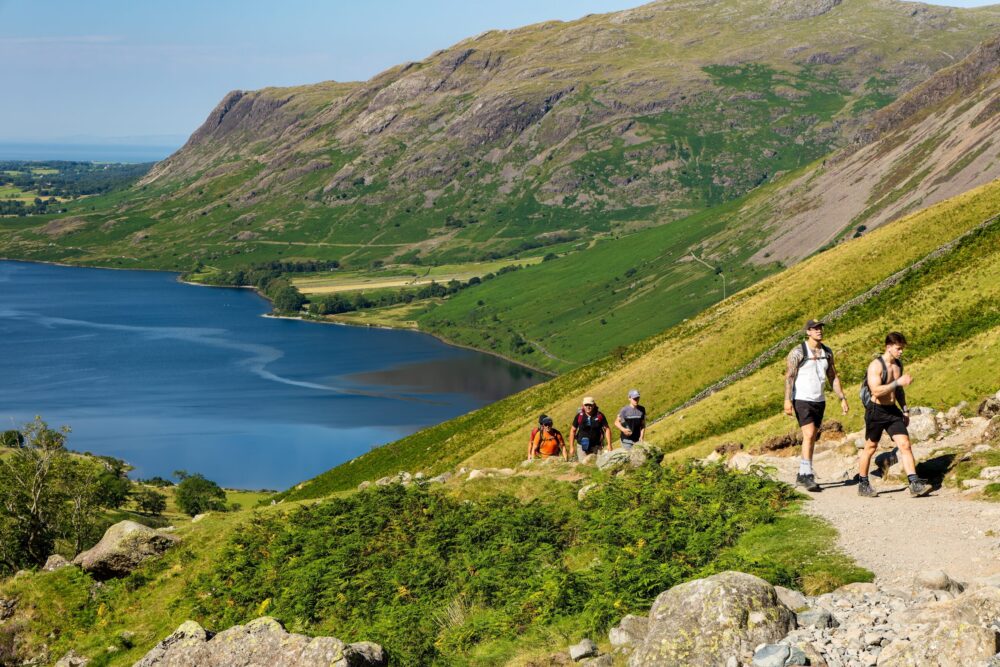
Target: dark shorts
{"x": 883, "y": 418}
{"x": 809, "y": 412}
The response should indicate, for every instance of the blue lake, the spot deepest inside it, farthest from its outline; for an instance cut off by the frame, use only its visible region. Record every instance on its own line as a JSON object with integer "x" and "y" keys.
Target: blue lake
{"x": 170, "y": 376}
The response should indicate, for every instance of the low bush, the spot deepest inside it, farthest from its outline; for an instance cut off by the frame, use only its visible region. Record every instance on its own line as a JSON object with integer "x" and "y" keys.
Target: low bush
{"x": 434, "y": 578}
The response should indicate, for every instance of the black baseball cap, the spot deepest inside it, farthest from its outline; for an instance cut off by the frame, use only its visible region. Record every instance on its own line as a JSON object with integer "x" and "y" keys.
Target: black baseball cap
{"x": 815, "y": 324}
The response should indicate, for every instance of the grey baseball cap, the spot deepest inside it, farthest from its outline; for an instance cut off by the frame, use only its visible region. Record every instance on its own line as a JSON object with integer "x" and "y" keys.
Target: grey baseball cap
{"x": 633, "y": 393}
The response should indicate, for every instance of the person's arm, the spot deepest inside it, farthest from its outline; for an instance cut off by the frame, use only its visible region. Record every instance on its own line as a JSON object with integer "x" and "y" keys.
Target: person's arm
{"x": 535, "y": 444}
{"x": 875, "y": 385}
{"x": 642, "y": 432}
{"x": 607, "y": 434}
{"x": 831, "y": 373}
{"x": 791, "y": 372}
{"x": 621, "y": 427}
{"x": 572, "y": 435}
{"x": 901, "y": 399}
{"x": 562, "y": 447}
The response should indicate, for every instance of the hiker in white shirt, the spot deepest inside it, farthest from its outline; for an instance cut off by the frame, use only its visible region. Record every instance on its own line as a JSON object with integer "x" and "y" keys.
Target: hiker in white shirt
{"x": 809, "y": 366}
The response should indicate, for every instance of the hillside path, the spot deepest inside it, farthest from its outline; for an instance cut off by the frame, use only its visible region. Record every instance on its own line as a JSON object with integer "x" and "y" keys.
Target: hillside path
{"x": 896, "y": 536}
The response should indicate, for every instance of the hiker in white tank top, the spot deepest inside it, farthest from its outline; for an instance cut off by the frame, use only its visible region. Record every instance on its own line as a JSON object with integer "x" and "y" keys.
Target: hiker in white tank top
{"x": 809, "y": 366}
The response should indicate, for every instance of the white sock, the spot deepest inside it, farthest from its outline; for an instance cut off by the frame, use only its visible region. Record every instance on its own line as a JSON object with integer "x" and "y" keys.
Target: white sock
{"x": 805, "y": 467}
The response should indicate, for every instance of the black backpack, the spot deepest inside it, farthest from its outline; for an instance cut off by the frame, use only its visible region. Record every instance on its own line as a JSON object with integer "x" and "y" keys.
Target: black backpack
{"x": 827, "y": 354}
{"x": 866, "y": 393}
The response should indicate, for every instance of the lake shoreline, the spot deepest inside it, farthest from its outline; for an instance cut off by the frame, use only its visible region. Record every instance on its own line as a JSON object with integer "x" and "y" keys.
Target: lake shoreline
{"x": 179, "y": 279}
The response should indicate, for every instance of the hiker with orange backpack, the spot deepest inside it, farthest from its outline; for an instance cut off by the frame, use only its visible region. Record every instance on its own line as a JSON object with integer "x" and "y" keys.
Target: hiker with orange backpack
{"x": 808, "y": 367}
{"x": 589, "y": 428}
{"x": 531, "y": 438}
{"x": 548, "y": 442}
{"x": 881, "y": 391}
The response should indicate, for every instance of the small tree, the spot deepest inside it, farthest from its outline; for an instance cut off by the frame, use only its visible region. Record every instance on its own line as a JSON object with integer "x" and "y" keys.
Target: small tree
{"x": 31, "y": 499}
{"x": 150, "y": 501}
{"x": 196, "y": 495}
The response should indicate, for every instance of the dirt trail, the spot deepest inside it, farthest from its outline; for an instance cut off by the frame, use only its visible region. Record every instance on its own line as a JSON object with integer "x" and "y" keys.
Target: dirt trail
{"x": 895, "y": 535}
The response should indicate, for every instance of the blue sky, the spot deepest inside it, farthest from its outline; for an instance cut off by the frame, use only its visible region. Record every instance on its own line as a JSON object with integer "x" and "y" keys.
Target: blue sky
{"x": 125, "y": 68}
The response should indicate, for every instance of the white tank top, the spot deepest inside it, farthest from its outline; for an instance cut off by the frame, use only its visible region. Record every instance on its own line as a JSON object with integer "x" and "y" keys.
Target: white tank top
{"x": 811, "y": 380}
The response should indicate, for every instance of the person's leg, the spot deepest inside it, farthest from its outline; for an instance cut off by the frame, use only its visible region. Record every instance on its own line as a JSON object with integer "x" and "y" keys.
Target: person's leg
{"x": 809, "y": 431}
{"x": 627, "y": 444}
{"x": 905, "y": 453}
{"x": 865, "y": 457}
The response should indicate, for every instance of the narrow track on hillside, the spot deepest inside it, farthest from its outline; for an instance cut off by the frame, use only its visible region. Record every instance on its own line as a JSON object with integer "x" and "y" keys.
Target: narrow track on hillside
{"x": 784, "y": 344}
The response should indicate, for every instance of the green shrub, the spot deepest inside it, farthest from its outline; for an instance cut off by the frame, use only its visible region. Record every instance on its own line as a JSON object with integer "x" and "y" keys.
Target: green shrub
{"x": 434, "y": 578}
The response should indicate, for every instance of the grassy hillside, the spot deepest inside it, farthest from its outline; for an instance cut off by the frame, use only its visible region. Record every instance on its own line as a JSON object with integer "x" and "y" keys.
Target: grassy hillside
{"x": 944, "y": 319}
{"x": 487, "y": 573}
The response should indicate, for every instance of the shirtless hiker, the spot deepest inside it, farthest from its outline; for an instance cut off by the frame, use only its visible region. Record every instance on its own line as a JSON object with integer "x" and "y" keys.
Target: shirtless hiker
{"x": 809, "y": 366}
{"x": 885, "y": 381}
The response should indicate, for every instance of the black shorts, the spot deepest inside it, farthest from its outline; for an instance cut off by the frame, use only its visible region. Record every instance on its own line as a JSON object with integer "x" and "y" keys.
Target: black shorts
{"x": 809, "y": 412}
{"x": 887, "y": 418}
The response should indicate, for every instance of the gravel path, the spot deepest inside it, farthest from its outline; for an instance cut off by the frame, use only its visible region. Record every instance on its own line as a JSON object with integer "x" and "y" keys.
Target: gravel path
{"x": 895, "y": 535}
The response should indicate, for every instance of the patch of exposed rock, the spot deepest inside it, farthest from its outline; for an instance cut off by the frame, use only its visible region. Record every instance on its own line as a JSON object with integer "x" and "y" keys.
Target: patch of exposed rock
{"x": 260, "y": 642}
{"x": 123, "y": 548}
{"x": 703, "y": 623}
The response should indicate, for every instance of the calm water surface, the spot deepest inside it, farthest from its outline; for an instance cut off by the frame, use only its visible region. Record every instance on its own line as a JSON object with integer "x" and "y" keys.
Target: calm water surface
{"x": 170, "y": 376}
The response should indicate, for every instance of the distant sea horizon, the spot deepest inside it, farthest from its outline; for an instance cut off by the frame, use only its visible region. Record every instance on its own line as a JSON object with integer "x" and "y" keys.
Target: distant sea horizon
{"x": 84, "y": 152}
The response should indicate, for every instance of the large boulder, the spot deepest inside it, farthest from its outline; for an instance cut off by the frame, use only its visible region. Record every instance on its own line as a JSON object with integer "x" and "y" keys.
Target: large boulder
{"x": 922, "y": 426}
{"x": 951, "y": 633}
{"x": 704, "y": 622}
{"x": 260, "y": 642}
{"x": 124, "y": 546}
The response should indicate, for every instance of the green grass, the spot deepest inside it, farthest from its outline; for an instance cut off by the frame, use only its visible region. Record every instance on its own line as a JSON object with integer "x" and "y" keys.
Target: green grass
{"x": 483, "y": 572}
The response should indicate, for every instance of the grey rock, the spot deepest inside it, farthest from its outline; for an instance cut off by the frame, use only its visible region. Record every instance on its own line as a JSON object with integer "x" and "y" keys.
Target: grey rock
{"x": 943, "y": 646}
{"x": 124, "y": 547}
{"x": 990, "y": 473}
{"x": 790, "y": 598}
{"x": 630, "y": 631}
{"x": 618, "y": 459}
{"x": 55, "y": 562}
{"x": 741, "y": 461}
{"x": 989, "y": 408}
{"x": 584, "y": 490}
{"x": 605, "y": 660}
{"x": 642, "y": 452}
{"x": 796, "y": 656}
{"x": 260, "y": 642}
{"x": 442, "y": 478}
{"x": 701, "y": 623}
{"x": 586, "y": 648}
{"x": 922, "y": 427}
{"x": 937, "y": 580}
{"x": 816, "y": 618}
{"x": 199, "y": 517}
{"x": 363, "y": 654}
{"x": 770, "y": 655}
{"x": 364, "y": 485}
{"x": 476, "y": 474}
{"x": 7, "y": 608}
{"x": 72, "y": 659}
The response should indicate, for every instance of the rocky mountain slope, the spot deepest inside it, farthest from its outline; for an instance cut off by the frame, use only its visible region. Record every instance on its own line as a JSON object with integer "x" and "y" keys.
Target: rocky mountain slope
{"x": 933, "y": 143}
{"x": 520, "y": 138}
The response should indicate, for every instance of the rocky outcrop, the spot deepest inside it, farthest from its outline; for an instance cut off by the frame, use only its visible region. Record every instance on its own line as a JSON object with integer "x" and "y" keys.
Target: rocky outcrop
{"x": 703, "y": 623}
{"x": 260, "y": 642}
{"x": 55, "y": 562}
{"x": 621, "y": 458}
{"x": 123, "y": 548}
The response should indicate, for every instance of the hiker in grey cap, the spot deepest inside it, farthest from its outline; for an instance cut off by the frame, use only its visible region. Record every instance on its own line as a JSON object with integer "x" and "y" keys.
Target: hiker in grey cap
{"x": 631, "y": 421}
{"x": 809, "y": 366}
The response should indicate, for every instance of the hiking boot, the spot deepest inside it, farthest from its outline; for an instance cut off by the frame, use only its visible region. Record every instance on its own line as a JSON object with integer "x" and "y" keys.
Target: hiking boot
{"x": 865, "y": 489}
{"x": 920, "y": 487}
{"x": 807, "y": 481}
{"x": 885, "y": 461}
